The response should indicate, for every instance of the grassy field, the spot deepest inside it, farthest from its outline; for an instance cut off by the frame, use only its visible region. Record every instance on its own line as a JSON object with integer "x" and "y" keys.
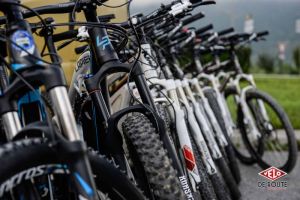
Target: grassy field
{"x": 286, "y": 90}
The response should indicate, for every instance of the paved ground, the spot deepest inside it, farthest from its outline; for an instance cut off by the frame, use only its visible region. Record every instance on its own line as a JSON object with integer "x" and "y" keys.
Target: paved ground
{"x": 251, "y": 191}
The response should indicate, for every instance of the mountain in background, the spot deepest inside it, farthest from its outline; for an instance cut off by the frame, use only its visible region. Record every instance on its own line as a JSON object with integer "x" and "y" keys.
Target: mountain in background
{"x": 276, "y": 16}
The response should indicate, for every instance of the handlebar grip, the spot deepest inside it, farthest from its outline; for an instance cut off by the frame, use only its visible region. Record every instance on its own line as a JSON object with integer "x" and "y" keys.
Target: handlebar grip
{"x": 65, "y": 35}
{"x": 204, "y": 29}
{"x": 226, "y": 31}
{"x": 263, "y": 33}
{"x": 203, "y": 3}
{"x": 192, "y": 18}
{"x": 195, "y": 1}
{"x": 106, "y": 18}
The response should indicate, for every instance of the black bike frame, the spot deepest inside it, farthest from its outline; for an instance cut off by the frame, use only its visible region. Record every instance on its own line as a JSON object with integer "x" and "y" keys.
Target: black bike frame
{"x": 106, "y": 61}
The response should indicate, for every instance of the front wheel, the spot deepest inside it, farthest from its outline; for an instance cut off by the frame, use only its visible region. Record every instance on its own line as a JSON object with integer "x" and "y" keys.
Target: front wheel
{"x": 152, "y": 168}
{"x": 277, "y": 145}
{"x": 36, "y": 172}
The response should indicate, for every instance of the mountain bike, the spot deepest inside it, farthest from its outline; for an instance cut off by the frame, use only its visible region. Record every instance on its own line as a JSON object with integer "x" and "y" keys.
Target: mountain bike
{"x": 259, "y": 116}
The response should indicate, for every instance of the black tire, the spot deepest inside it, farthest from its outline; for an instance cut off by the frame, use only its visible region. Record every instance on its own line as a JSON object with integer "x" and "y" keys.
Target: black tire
{"x": 243, "y": 155}
{"x": 229, "y": 151}
{"x": 262, "y": 155}
{"x": 26, "y": 154}
{"x": 206, "y": 187}
{"x": 161, "y": 176}
{"x": 228, "y": 178}
{"x": 220, "y": 186}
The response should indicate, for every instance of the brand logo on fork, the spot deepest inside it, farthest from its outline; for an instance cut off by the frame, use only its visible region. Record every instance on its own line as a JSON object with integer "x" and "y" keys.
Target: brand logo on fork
{"x": 189, "y": 158}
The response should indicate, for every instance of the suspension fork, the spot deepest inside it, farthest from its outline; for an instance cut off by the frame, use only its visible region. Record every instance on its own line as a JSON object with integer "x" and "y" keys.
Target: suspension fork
{"x": 10, "y": 120}
{"x": 80, "y": 167}
{"x": 3, "y": 78}
{"x": 11, "y": 124}
{"x": 261, "y": 105}
{"x": 183, "y": 137}
{"x": 247, "y": 114}
{"x": 144, "y": 90}
{"x": 201, "y": 118}
{"x": 242, "y": 100}
{"x": 222, "y": 104}
{"x": 207, "y": 109}
{"x": 196, "y": 131}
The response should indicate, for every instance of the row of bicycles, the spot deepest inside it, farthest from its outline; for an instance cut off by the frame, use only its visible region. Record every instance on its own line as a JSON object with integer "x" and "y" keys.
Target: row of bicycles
{"x": 156, "y": 109}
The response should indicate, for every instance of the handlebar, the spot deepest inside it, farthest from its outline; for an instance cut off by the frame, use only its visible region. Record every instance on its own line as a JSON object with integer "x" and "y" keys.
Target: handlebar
{"x": 204, "y": 29}
{"x": 192, "y": 18}
{"x": 195, "y": 1}
{"x": 60, "y": 8}
{"x": 263, "y": 33}
{"x": 106, "y": 18}
{"x": 244, "y": 37}
{"x": 226, "y": 31}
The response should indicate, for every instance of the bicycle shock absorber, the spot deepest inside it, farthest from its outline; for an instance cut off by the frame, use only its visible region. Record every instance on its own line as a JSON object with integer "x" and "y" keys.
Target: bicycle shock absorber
{"x": 216, "y": 153}
{"x": 196, "y": 131}
{"x": 81, "y": 169}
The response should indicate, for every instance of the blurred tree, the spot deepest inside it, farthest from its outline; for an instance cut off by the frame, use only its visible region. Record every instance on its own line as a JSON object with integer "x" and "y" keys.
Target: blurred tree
{"x": 244, "y": 54}
{"x": 266, "y": 62}
{"x": 296, "y": 57}
{"x": 285, "y": 68}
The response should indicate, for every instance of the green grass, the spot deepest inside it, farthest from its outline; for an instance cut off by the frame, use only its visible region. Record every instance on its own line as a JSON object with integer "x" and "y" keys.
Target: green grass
{"x": 286, "y": 90}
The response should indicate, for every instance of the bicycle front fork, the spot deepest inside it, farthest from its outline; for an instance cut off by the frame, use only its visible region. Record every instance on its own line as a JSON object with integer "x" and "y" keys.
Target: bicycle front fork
{"x": 80, "y": 167}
